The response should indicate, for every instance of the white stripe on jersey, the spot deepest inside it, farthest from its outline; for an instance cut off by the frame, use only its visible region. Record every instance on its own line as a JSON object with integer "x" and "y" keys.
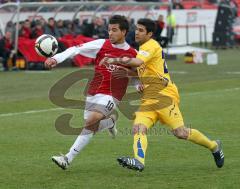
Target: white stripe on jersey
{"x": 89, "y": 50}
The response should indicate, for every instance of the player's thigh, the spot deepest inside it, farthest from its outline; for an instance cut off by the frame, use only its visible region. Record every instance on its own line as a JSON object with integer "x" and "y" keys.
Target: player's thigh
{"x": 101, "y": 104}
{"x": 171, "y": 116}
{"x": 147, "y": 119}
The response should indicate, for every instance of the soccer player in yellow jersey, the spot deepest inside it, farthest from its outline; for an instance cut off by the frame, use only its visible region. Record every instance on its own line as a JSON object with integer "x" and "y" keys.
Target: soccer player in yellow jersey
{"x": 160, "y": 101}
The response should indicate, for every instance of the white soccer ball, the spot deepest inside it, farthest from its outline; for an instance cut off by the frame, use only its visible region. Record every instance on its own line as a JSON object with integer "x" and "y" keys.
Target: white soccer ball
{"x": 46, "y": 45}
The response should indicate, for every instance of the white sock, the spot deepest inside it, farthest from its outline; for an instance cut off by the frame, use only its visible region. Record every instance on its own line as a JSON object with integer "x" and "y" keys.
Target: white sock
{"x": 81, "y": 141}
{"x": 105, "y": 124}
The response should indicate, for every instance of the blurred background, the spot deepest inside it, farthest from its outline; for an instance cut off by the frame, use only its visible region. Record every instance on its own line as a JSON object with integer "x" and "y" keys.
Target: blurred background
{"x": 211, "y": 24}
{"x": 201, "y": 41}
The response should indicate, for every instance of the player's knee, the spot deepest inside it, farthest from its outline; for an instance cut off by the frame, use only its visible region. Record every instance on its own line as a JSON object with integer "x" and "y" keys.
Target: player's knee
{"x": 89, "y": 123}
{"x": 139, "y": 128}
{"x": 91, "y": 126}
{"x": 181, "y": 132}
{"x": 92, "y": 122}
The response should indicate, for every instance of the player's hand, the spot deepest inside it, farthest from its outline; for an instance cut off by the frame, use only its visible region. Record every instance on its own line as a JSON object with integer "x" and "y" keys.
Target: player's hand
{"x": 107, "y": 60}
{"x": 50, "y": 63}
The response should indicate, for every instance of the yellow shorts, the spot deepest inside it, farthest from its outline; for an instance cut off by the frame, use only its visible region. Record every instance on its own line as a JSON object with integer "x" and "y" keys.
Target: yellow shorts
{"x": 167, "y": 113}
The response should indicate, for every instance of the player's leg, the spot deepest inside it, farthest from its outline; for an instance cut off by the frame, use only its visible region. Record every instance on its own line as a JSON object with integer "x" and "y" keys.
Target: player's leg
{"x": 109, "y": 123}
{"x": 81, "y": 141}
{"x": 197, "y": 137}
{"x": 140, "y": 142}
{"x": 95, "y": 112}
{"x": 107, "y": 105}
{"x": 142, "y": 122}
{"x": 97, "y": 109}
{"x": 139, "y": 148}
{"x": 172, "y": 117}
{"x": 91, "y": 126}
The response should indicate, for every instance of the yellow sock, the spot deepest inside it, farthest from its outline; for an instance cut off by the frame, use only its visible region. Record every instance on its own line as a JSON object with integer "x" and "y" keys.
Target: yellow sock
{"x": 140, "y": 147}
{"x": 198, "y": 138}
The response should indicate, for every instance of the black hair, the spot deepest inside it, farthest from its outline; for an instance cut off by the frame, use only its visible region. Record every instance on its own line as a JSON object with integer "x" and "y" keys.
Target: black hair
{"x": 121, "y": 20}
{"x": 149, "y": 24}
{"x": 51, "y": 18}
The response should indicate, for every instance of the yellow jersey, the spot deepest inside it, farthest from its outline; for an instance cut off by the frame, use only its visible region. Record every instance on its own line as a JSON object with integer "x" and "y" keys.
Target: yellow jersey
{"x": 153, "y": 73}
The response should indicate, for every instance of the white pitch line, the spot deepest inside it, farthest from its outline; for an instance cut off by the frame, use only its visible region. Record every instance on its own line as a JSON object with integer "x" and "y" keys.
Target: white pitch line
{"x": 178, "y": 72}
{"x": 209, "y": 92}
{"x": 38, "y": 72}
{"x": 56, "y": 109}
{"x": 233, "y": 72}
{"x": 30, "y": 112}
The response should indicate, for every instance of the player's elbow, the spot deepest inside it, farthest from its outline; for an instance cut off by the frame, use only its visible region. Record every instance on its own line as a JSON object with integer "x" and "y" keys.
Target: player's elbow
{"x": 138, "y": 62}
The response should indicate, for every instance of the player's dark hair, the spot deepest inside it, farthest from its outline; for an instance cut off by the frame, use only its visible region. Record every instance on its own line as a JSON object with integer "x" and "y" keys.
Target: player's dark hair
{"x": 121, "y": 20}
{"x": 149, "y": 24}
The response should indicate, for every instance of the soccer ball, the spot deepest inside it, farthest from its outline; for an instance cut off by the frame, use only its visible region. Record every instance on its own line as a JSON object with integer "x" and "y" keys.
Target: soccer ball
{"x": 46, "y": 45}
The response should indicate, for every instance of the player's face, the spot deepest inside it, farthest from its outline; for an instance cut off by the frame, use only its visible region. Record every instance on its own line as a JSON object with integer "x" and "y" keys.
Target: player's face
{"x": 141, "y": 35}
{"x": 116, "y": 36}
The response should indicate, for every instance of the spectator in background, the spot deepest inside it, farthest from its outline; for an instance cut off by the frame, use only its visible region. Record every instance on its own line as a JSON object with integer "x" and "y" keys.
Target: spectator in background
{"x": 177, "y": 4}
{"x": 213, "y": 1}
{"x": 234, "y": 7}
{"x": 37, "y": 30}
{"x": 160, "y": 24}
{"x": 68, "y": 27}
{"x": 6, "y": 50}
{"x": 61, "y": 28}
{"x": 77, "y": 27}
{"x": 25, "y": 31}
{"x": 51, "y": 28}
{"x": 130, "y": 37}
{"x": 43, "y": 22}
{"x": 9, "y": 26}
{"x": 87, "y": 28}
{"x": 99, "y": 28}
{"x": 171, "y": 25}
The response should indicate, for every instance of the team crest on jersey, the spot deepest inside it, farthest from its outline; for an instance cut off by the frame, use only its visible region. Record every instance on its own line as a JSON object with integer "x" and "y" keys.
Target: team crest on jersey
{"x": 144, "y": 53}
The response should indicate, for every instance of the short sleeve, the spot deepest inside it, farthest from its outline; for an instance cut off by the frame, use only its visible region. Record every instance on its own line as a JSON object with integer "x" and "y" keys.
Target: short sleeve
{"x": 145, "y": 54}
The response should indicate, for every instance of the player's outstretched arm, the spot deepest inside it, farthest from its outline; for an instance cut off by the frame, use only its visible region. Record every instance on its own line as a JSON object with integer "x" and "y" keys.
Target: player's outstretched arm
{"x": 68, "y": 53}
{"x": 89, "y": 49}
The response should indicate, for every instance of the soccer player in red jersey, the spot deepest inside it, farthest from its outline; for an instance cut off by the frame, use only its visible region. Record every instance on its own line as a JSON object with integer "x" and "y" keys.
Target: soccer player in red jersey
{"x": 105, "y": 91}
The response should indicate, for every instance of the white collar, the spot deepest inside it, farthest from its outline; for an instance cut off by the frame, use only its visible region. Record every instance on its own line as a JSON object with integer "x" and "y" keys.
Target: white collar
{"x": 124, "y": 46}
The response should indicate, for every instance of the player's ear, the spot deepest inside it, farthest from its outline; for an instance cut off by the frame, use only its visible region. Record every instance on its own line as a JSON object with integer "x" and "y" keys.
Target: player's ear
{"x": 150, "y": 34}
{"x": 124, "y": 32}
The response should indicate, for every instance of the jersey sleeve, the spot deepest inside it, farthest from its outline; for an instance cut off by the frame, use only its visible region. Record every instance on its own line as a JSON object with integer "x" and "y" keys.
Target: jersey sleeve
{"x": 145, "y": 54}
{"x": 89, "y": 49}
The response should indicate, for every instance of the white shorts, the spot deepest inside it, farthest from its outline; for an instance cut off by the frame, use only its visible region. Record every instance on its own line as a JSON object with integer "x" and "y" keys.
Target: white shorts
{"x": 100, "y": 103}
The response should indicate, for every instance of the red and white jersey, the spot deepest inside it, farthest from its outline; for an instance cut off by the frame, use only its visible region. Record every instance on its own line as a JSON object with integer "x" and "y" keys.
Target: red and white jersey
{"x": 103, "y": 81}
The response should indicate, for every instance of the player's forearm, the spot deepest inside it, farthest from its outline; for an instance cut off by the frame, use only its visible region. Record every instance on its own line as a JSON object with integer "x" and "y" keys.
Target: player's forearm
{"x": 68, "y": 53}
{"x": 135, "y": 62}
{"x": 132, "y": 62}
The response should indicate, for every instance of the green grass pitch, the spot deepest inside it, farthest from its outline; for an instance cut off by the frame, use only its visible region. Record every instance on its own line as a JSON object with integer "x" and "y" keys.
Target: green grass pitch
{"x": 209, "y": 102}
